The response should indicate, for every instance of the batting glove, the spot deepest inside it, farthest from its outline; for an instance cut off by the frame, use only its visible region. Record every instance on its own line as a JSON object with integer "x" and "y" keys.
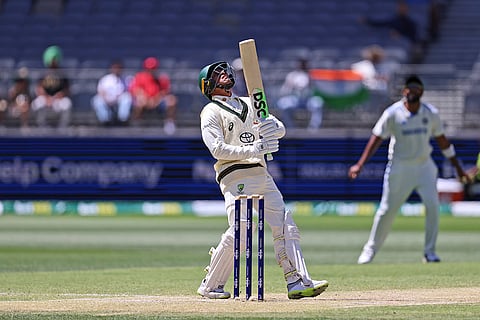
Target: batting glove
{"x": 265, "y": 145}
{"x": 271, "y": 127}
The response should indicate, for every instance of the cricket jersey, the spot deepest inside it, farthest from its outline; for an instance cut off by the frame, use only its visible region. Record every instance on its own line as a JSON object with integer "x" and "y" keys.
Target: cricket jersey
{"x": 409, "y": 133}
{"x": 227, "y": 129}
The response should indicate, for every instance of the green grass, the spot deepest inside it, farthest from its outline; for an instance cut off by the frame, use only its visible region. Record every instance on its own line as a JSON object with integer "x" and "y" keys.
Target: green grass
{"x": 44, "y": 258}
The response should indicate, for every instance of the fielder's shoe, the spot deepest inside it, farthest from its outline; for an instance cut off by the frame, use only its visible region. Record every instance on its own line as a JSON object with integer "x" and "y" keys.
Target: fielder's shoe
{"x": 217, "y": 293}
{"x": 366, "y": 256}
{"x": 430, "y": 257}
{"x": 299, "y": 290}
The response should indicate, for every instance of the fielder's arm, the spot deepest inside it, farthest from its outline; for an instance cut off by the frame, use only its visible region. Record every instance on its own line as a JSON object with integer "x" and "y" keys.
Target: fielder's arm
{"x": 448, "y": 151}
{"x": 372, "y": 146}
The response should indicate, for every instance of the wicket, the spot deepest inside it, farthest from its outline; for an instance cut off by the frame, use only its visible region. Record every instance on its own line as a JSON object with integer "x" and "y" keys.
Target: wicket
{"x": 248, "y": 249}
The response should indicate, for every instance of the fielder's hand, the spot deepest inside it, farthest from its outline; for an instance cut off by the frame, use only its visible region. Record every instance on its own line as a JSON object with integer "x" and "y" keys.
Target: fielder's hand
{"x": 354, "y": 171}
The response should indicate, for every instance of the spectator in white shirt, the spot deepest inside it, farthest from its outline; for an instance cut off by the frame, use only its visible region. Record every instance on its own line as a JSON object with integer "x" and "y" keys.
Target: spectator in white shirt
{"x": 113, "y": 102}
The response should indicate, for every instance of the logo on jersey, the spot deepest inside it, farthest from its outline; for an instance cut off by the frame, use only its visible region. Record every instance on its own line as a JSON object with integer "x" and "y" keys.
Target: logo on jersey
{"x": 247, "y": 137}
{"x": 425, "y": 120}
{"x": 230, "y": 126}
{"x": 240, "y": 188}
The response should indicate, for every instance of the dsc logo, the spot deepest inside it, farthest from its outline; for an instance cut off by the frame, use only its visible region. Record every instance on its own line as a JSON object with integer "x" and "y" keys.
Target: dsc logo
{"x": 260, "y": 103}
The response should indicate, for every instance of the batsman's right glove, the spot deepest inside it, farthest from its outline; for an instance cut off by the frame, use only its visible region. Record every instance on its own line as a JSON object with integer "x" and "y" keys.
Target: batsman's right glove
{"x": 265, "y": 145}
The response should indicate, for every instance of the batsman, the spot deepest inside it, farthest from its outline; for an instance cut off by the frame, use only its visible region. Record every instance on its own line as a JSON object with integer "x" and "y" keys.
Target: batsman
{"x": 239, "y": 140}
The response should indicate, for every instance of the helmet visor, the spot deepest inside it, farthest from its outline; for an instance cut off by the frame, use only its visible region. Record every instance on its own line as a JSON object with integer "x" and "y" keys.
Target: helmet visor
{"x": 218, "y": 70}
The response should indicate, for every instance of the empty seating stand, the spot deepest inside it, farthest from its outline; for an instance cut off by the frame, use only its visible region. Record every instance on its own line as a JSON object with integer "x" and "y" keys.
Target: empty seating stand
{"x": 194, "y": 33}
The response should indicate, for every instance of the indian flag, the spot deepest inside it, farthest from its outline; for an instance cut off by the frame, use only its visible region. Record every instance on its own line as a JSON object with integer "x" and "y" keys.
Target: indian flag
{"x": 341, "y": 89}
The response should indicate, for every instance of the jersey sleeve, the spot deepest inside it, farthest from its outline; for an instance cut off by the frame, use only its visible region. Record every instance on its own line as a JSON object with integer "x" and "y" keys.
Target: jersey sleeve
{"x": 382, "y": 127}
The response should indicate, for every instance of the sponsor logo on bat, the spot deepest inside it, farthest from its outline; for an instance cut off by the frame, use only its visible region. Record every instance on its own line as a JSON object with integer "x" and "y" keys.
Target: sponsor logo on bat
{"x": 260, "y": 103}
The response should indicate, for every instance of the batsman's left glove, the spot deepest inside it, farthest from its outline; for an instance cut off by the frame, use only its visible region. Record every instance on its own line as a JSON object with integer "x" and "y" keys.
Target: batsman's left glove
{"x": 271, "y": 127}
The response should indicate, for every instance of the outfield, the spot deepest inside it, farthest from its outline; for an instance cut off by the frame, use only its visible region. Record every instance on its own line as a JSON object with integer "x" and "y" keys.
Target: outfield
{"x": 69, "y": 267}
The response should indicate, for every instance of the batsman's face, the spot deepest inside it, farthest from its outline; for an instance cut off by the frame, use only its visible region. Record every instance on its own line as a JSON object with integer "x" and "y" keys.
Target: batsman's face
{"x": 224, "y": 80}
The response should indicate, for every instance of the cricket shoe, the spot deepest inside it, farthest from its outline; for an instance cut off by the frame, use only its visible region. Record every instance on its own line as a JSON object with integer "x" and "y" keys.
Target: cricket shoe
{"x": 366, "y": 256}
{"x": 217, "y": 293}
{"x": 299, "y": 290}
{"x": 430, "y": 257}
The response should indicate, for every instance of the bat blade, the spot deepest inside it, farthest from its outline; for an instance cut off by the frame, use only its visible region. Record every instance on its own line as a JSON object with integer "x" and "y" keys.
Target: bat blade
{"x": 253, "y": 79}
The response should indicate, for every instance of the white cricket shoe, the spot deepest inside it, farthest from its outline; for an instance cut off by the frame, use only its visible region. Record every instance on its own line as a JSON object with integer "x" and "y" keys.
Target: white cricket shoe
{"x": 366, "y": 256}
{"x": 217, "y": 293}
{"x": 431, "y": 257}
{"x": 299, "y": 290}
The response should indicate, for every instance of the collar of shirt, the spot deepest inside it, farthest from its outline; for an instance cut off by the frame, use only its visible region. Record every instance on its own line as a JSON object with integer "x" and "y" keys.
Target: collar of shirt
{"x": 233, "y": 101}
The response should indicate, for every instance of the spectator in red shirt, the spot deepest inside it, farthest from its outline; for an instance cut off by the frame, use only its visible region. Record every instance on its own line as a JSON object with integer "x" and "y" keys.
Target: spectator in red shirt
{"x": 151, "y": 91}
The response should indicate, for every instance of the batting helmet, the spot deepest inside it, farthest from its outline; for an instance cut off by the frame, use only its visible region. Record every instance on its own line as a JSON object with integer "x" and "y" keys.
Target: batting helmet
{"x": 207, "y": 79}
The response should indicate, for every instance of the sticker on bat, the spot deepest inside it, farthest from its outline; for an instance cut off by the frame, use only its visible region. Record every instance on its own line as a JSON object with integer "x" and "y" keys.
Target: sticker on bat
{"x": 260, "y": 103}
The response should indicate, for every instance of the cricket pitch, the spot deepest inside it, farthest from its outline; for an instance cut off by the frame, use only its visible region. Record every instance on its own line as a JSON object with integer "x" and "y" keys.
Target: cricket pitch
{"x": 273, "y": 304}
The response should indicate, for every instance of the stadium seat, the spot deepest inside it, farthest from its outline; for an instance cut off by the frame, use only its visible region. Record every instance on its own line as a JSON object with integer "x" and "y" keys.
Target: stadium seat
{"x": 21, "y": 7}
{"x": 471, "y": 115}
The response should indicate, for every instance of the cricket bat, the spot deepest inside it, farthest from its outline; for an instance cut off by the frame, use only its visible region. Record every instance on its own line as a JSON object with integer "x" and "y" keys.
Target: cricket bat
{"x": 253, "y": 79}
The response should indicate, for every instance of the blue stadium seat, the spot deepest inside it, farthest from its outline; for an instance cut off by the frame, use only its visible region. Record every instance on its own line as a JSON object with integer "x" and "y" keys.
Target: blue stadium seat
{"x": 471, "y": 114}
{"x": 21, "y": 7}
{"x": 7, "y": 63}
{"x": 30, "y": 63}
{"x": 76, "y": 7}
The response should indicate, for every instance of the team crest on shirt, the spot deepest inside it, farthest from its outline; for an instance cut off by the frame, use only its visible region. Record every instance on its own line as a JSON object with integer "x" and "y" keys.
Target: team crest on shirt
{"x": 240, "y": 188}
{"x": 247, "y": 137}
{"x": 425, "y": 120}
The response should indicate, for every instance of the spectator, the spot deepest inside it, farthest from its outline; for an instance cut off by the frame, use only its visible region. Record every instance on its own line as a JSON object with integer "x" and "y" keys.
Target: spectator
{"x": 436, "y": 11}
{"x": 52, "y": 92}
{"x": 297, "y": 92}
{"x": 151, "y": 91}
{"x": 112, "y": 101}
{"x": 17, "y": 102}
{"x": 371, "y": 68}
{"x": 401, "y": 26}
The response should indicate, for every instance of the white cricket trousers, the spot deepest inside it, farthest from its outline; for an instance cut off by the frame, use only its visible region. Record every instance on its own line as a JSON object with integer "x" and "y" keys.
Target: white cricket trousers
{"x": 401, "y": 178}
